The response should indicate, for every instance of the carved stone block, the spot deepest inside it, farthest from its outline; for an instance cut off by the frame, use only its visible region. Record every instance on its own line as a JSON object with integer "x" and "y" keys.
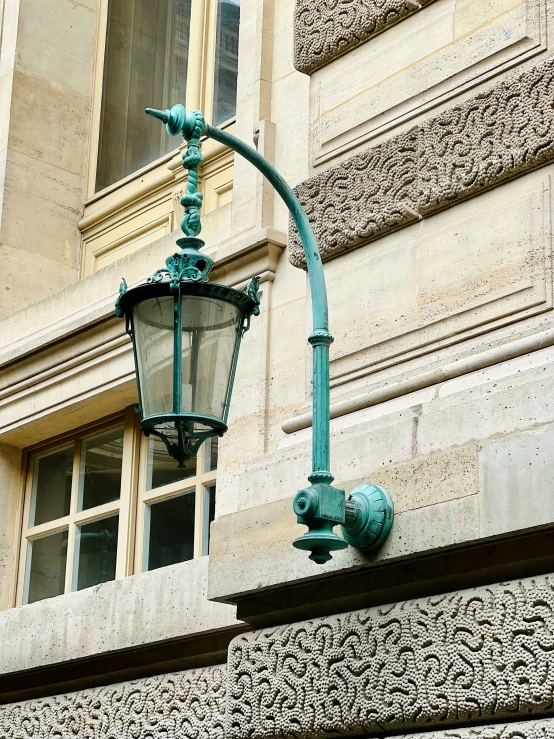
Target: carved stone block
{"x": 324, "y": 31}
{"x": 189, "y": 704}
{"x": 493, "y": 137}
{"x": 542, "y": 729}
{"x": 365, "y": 197}
{"x": 466, "y": 657}
{"x": 497, "y": 135}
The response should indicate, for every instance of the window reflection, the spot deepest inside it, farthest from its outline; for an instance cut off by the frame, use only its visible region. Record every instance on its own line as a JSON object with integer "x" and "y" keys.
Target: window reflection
{"x": 145, "y": 65}
{"x": 226, "y": 61}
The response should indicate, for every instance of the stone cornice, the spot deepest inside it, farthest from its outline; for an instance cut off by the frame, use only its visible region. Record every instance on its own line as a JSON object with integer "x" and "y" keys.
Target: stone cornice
{"x": 324, "y": 31}
{"x": 500, "y": 134}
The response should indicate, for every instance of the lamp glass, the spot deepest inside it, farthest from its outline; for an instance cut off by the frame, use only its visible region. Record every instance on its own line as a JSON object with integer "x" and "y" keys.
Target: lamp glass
{"x": 153, "y": 323}
{"x": 210, "y": 332}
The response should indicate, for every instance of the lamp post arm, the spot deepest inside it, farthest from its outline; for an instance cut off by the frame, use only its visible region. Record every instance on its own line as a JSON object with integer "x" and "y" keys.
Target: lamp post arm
{"x": 320, "y": 338}
{"x": 313, "y": 260}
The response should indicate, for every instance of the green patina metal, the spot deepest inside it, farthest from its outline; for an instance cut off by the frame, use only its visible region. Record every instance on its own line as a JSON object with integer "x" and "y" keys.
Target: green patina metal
{"x": 186, "y": 274}
{"x": 366, "y": 519}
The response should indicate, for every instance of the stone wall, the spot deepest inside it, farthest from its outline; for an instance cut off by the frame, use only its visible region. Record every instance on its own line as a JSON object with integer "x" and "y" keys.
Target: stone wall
{"x": 470, "y": 657}
{"x": 497, "y": 135}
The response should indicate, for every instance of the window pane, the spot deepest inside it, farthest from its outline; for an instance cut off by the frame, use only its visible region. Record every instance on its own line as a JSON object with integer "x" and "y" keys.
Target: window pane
{"x": 210, "y": 454}
{"x": 163, "y": 469}
{"x": 170, "y": 531}
{"x": 145, "y": 65}
{"x": 100, "y": 473}
{"x": 226, "y": 60}
{"x": 96, "y": 551}
{"x": 51, "y": 494}
{"x": 209, "y": 515}
{"x": 48, "y": 556}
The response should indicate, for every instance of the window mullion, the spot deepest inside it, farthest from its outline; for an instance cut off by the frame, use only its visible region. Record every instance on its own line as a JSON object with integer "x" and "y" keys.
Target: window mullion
{"x": 140, "y": 507}
{"x": 24, "y": 556}
{"x": 198, "y": 518}
{"x": 70, "y": 561}
{"x": 208, "y": 66}
{"x": 127, "y": 500}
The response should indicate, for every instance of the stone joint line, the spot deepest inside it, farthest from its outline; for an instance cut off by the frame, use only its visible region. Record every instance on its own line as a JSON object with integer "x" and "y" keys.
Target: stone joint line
{"x": 494, "y": 137}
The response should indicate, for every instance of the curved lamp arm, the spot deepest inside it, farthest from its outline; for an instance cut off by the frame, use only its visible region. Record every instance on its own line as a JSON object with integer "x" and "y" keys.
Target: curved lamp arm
{"x": 321, "y": 506}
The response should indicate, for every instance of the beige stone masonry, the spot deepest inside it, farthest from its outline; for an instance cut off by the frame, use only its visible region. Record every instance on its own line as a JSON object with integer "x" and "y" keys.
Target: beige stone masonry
{"x": 498, "y": 135}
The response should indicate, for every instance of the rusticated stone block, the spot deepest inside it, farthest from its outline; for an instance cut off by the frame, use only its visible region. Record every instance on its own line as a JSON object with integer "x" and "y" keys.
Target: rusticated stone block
{"x": 188, "y": 705}
{"x": 497, "y": 135}
{"x": 471, "y": 656}
{"x": 541, "y": 729}
{"x": 365, "y": 197}
{"x": 493, "y": 137}
{"x": 325, "y": 30}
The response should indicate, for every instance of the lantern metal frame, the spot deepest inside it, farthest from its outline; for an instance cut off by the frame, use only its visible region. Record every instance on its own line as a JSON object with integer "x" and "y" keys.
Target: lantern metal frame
{"x": 186, "y": 274}
{"x": 366, "y": 515}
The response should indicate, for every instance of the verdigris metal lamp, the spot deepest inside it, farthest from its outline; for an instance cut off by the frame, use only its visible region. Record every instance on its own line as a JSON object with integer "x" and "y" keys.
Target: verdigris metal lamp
{"x": 166, "y": 308}
{"x": 186, "y": 334}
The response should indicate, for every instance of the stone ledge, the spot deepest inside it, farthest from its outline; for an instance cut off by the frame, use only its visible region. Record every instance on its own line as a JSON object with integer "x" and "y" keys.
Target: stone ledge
{"x": 496, "y": 136}
{"x": 137, "y": 611}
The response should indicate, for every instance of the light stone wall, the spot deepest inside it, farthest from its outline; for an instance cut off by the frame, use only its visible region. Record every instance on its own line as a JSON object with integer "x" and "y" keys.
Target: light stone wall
{"x": 441, "y": 372}
{"x": 46, "y": 80}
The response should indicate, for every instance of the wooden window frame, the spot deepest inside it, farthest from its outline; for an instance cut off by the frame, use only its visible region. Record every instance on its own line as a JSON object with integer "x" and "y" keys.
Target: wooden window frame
{"x": 130, "y": 506}
{"x": 195, "y": 483}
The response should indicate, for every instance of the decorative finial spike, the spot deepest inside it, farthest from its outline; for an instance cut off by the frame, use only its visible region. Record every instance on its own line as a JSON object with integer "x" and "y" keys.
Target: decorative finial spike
{"x": 162, "y": 115}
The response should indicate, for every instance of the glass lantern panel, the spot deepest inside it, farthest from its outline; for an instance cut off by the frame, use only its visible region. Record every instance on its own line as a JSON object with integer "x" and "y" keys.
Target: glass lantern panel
{"x": 153, "y": 328}
{"x": 210, "y": 334}
{"x": 47, "y": 557}
{"x": 170, "y": 531}
{"x": 51, "y": 494}
{"x": 163, "y": 469}
{"x": 100, "y": 473}
{"x": 96, "y": 551}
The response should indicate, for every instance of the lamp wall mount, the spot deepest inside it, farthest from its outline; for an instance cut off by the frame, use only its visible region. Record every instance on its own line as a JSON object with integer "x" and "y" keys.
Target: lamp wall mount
{"x": 367, "y": 515}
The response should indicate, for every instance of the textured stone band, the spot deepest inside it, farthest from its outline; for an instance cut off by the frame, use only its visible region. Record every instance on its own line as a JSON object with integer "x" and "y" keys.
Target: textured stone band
{"x": 496, "y": 136}
{"x": 325, "y": 30}
{"x": 468, "y": 657}
{"x": 188, "y": 705}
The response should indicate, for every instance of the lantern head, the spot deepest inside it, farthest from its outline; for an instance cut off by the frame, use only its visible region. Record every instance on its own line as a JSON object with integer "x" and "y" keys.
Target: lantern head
{"x": 186, "y": 334}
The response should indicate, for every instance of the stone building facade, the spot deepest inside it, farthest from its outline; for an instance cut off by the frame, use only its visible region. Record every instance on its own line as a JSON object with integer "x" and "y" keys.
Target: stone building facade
{"x": 419, "y": 136}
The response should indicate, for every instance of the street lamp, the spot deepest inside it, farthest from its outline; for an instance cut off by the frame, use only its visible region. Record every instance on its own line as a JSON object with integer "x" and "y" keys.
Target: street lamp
{"x": 186, "y": 335}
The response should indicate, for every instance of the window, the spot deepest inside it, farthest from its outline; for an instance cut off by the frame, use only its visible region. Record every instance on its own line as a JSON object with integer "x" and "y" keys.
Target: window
{"x": 95, "y": 510}
{"x": 156, "y": 54}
